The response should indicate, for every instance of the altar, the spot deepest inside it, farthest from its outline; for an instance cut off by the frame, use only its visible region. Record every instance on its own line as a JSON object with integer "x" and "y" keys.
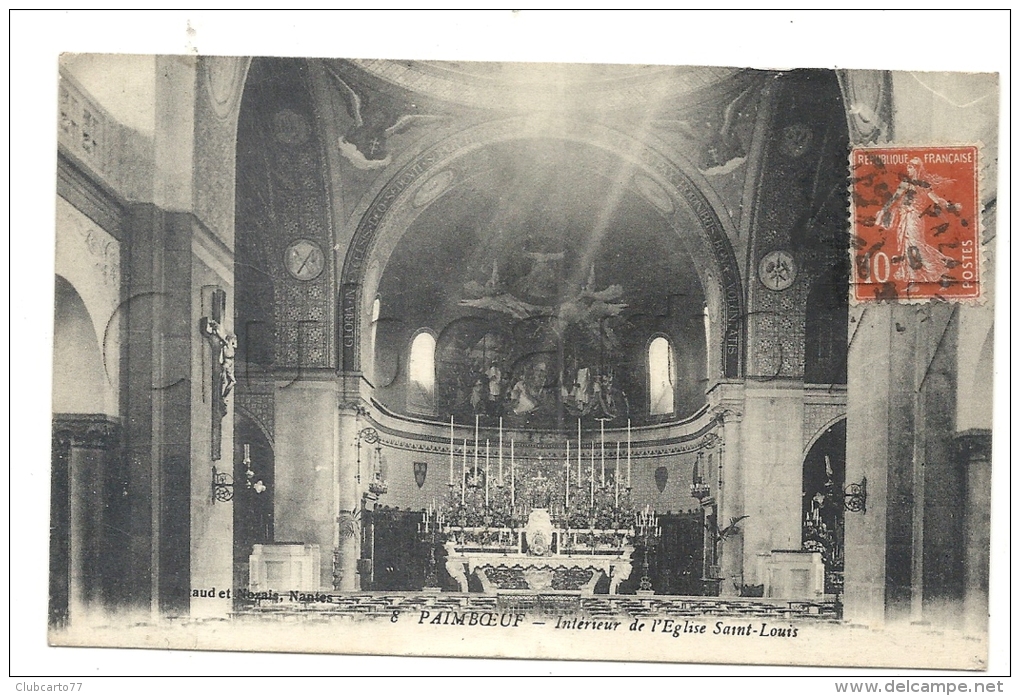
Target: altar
{"x": 539, "y": 557}
{"x": 539, "y": 523}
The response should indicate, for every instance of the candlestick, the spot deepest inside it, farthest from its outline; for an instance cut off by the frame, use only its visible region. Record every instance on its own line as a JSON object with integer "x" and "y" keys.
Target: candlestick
{"x": 501, "y": 450}
{"x": 566, "y": 485}
{"x": 476, "y": 444}
{"x": 567, "y": 467}
{"x": 616, "y": 474}
{"x": 486, "y": 473}
{"x": 513, "y": 489}
{"x": 591, "y": 476}
{"x": 602, "y": 439}
{"x": 451, "y": 450}
{"x": 628, "y": 453}
{"x": 578, "y": 451}
{"x": 463, "y": 472}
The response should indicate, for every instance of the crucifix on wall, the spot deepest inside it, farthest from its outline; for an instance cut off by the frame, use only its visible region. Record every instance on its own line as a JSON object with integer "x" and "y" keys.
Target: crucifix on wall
{"x": 224, "y": 345}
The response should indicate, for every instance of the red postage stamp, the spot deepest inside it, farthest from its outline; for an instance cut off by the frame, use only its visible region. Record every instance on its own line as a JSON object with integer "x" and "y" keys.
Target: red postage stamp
{"x": 915, "y": 223}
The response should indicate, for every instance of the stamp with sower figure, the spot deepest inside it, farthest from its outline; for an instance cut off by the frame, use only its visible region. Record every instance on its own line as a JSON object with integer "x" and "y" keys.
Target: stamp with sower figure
{"x": 915, "y": 224}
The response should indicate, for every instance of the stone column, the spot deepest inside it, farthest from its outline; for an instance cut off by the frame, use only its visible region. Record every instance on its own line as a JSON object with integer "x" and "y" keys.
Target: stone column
{"x": 974, "y": 449}
{"x": 85, "y": 557}
{"x": 772, "y": 471}
{"x": 730, "y": 500}
{"x": 884, "y": 429}
{"x": 307, "y": 437}
{"x": 349, "y": 485}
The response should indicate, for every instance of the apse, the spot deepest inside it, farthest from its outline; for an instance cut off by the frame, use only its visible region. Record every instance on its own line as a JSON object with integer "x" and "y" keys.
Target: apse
{"x": 545, "y": 288}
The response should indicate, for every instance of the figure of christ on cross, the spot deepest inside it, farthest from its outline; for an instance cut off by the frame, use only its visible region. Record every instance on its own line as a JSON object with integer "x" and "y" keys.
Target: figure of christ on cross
{"x": 224, "y": 345}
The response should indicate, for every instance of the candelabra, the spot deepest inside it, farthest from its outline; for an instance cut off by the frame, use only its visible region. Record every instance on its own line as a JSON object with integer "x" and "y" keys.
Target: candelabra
{"x": 646, "y": 528}
{"x": 431, "y": 533}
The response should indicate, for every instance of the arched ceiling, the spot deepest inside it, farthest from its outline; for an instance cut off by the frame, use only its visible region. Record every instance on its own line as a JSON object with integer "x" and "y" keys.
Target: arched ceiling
{"x": 539, "y": 250}
{"x": 544, "y": 86}
{"x": 544, "y": 214}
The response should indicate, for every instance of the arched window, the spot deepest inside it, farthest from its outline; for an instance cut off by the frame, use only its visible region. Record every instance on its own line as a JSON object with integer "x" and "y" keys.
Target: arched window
{"x": 421, "y": 374}
{"x": 661, "y": 377}
{"x": 376, "y": 309}
{"x": 706, "y": 317}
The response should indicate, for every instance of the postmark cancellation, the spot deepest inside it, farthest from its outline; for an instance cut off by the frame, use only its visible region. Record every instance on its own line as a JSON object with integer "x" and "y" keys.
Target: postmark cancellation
{"x": 915, "y": 224}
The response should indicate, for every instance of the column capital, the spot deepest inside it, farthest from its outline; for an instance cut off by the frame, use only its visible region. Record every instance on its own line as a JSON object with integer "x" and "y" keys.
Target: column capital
{"x": 726, "y": 401}
{"x": 727, "y": 414}
{"x": 88, "y": 431}
{"x": 354, "y": 407}
{"x": 974, "y": 445}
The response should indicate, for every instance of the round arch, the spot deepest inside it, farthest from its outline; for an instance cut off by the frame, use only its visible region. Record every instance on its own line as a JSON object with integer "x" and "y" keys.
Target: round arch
{"x": 820, "y": 432}
{"x": 669, "y": 375}
{"x": 822, "y": 508}
{"x": 674, "y": 188}
{"x": 421, "y": 372}
{"x": 80, "y": 383}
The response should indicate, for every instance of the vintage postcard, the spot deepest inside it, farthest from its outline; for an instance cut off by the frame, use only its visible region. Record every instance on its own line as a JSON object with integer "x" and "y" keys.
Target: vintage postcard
{"x": 561, "y": 361}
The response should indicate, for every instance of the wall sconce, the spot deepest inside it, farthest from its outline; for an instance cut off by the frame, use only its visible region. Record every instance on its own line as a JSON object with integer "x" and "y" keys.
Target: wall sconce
{"x": 249, "y": 475}
{"x": 377, "y": 485}
{"x": 855, "y": 496}
{"x": 222, "y": 486}
{"x": 699, "y": 488}
{"x": 223, "y": 482}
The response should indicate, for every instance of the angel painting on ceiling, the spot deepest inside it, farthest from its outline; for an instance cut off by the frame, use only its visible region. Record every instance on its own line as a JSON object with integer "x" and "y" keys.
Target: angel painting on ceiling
{"x": 374, "y": 119}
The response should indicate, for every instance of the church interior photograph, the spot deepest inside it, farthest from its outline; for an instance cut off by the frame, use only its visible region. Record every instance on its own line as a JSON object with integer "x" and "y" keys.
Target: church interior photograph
{"x": 344, "y": 339}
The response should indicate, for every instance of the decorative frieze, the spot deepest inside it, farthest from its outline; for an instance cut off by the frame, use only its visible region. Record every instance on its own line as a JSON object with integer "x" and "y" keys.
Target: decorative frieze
{"x": 85, "y": 431}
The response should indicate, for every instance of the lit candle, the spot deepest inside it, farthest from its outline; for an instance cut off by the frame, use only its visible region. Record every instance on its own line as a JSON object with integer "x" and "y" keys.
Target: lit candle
{"x": 451, "y": 450}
